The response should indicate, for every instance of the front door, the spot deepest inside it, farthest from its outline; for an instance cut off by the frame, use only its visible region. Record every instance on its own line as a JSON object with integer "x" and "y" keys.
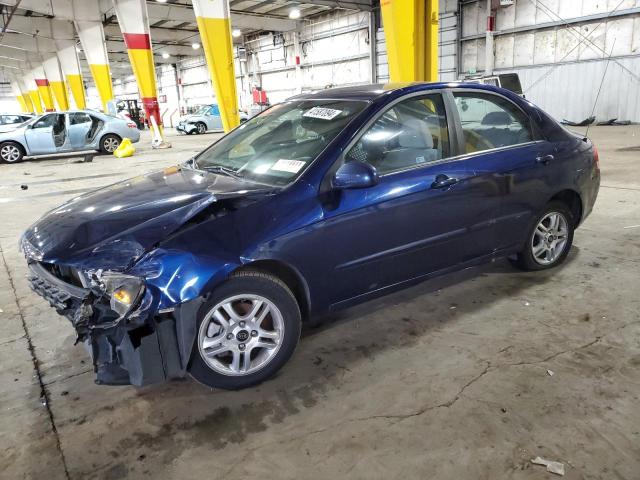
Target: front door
{"x": 429, "y": 211}
{"x": 40, "y": 137}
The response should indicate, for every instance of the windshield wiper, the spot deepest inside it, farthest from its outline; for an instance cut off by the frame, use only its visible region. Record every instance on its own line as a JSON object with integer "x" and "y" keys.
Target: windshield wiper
{"x": 230, "y": 172}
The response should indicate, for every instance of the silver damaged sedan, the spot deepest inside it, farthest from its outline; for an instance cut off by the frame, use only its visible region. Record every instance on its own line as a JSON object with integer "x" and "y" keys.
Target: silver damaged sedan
{"x": 60, "y": 132}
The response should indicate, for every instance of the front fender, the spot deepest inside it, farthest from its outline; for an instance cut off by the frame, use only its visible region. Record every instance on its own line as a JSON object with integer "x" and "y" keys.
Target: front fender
{"x": 177, "y": 277}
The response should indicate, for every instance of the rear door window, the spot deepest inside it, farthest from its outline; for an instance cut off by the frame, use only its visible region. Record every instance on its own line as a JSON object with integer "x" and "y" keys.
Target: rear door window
{"x": 490, "y": 121}
{"x": 79, "y": 118}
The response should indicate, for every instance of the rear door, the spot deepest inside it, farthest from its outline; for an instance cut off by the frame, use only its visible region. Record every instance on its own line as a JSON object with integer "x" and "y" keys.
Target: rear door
{"x": 39, "y": 136}
{"x": 79, "y": 128}
{"x": 502, "y": 144}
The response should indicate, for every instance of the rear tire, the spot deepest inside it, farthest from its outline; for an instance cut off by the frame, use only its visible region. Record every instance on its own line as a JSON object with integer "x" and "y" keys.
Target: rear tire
{"x": 109, "y": 143}
{"x": 11, "y": 152}
{"x": 549, "y": 239}
{"x": 247, "y": 330}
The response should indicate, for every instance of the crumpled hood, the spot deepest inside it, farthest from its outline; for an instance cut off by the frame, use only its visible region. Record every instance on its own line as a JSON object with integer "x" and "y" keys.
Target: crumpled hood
{"x": 116, "y": 224}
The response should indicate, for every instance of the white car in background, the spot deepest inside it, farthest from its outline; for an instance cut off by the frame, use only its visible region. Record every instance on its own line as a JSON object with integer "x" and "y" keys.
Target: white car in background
{"x": 205, "y": 118}
{"x": 11, "y": 121}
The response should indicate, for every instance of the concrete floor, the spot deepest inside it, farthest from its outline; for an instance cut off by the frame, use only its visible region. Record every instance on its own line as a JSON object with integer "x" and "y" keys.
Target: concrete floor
{"x": 447, "y": 380}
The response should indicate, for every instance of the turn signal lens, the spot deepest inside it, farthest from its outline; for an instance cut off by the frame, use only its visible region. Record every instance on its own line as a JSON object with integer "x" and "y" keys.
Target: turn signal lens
{"x": 122, "y": 296}
{"x": 124, "y": 291}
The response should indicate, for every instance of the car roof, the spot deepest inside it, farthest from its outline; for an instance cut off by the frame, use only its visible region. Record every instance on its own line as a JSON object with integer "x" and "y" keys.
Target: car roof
{"x": 371, "y": 92}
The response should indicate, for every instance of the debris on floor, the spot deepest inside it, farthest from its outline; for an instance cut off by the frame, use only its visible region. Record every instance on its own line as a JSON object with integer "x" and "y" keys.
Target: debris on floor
{"x": 583, "y": 123}
{"x": 24, "y": 187}
{"x": 552, "y": 467}
{"x": 550, "y": 373}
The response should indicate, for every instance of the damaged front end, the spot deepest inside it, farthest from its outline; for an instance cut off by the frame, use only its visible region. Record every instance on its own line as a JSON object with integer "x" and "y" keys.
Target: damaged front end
{"x": 128, "y": 265}
{"x": 115, "y": 316}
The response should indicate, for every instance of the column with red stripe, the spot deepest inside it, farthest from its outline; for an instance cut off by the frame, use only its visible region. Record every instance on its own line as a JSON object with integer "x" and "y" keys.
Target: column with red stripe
{"x": 134, "y": 24}
{"x": 44, "y": 88}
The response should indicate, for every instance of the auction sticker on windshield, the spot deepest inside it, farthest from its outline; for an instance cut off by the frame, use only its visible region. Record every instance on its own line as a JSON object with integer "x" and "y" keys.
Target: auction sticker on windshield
{"x": 322, "y": 113}
{"x": 291, "y": 166}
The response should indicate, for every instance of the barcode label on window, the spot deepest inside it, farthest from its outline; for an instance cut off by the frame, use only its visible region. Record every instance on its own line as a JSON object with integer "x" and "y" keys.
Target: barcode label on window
{"x": 291, "y": 166}
{"x": 322, "y": 113}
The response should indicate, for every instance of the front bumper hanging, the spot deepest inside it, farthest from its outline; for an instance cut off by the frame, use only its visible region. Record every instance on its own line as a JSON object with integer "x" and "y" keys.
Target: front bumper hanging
{"x": 140, "y": 350}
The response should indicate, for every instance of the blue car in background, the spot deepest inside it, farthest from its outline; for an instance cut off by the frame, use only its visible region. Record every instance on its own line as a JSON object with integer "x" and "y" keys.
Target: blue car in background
{"x": 62, "y": 132}
{"x": 321, "y": 202}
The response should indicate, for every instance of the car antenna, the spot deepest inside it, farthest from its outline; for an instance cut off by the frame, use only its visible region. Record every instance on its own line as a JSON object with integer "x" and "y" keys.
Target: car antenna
{"x": 599, "y": 89}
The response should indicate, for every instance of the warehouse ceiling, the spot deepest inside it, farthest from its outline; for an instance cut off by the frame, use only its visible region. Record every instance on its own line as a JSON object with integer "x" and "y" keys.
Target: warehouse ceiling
{"x": 24, "y": 34}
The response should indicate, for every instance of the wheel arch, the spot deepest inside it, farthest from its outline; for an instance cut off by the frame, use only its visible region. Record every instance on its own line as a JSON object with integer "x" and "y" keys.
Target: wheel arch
{"x": 20, "y": 144}
{"x": 106, "y": 134}
{"x": 573, "y": 201}
{"x": 289, "y": 275}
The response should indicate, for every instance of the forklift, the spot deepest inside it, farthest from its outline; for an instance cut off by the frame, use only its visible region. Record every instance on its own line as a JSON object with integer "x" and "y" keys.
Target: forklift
{"x": 130, "y": 109}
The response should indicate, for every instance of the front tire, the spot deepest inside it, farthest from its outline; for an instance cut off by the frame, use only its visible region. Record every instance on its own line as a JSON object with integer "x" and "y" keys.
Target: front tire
{"x": 549, "y": 239}
{"x": 201, "y": 128}
{"x": 109, "y": 143}
{"x": 11, "y": 152}
{"x": 247, "y": 330}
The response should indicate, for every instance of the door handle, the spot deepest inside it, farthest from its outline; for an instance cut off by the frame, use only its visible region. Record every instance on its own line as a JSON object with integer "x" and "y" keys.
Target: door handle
{"x": 443, "y": 181}
{"x": 544, "y": 159}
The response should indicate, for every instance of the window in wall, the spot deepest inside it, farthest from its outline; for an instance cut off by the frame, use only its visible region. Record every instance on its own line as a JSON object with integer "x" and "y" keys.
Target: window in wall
{"x": 411, "y": 133}
{"x": 489, "y": 121}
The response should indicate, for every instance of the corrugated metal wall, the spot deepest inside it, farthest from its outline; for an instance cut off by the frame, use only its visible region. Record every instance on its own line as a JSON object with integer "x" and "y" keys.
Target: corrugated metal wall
{"x": 447, "y": 45}
{"x": 560, "y": 49}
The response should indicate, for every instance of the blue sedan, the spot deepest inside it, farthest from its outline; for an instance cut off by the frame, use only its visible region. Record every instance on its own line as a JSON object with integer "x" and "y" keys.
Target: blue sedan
{"x": 321, "y": 202}
{"x": 62, "y": 132}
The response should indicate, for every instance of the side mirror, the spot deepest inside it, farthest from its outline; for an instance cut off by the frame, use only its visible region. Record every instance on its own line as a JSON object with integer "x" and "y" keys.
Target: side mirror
{"x": 355, "y": 175}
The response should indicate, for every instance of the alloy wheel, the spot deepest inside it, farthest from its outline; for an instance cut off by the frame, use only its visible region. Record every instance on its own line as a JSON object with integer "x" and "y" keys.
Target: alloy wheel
{"x": 550, "y": 237}
{"x": 10, "y": 153}
{"x": 241, "y": 335}
{"x": 201, "y": 128}
{"x": 111, "y": 144}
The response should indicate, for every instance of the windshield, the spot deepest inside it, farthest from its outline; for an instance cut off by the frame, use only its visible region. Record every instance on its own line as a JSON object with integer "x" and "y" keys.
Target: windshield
{"x": 203, "y": 110}
{"x": 277, "y": 145}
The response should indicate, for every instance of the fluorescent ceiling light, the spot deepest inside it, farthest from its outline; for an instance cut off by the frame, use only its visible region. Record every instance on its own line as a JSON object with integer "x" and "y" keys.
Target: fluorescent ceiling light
{"x": 294, "y": 13}
{"x": 236, "y": 32}
{"x": 195, "y": 45}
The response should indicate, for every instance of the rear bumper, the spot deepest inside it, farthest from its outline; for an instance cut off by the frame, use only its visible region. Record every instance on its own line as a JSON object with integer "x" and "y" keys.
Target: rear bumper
{"x": 590, "y": 191}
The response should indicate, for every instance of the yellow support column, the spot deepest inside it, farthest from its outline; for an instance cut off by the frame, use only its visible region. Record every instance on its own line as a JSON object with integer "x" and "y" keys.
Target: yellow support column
{"x": 58, "y": 87}
{"x": 68, "y": 57}
{"x": 22, "y": 103}
{"x": 91, "y": 36}
{"x": 24, "y": 90}
{"x": 411, "y": 34}
{"x": 35, "y": 101}
{"x": 34, "y": 95}
{"x": 215, "y": 31}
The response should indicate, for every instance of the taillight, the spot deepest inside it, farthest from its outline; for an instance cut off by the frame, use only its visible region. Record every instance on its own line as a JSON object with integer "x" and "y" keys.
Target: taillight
{"x": 131, "y": 125}
{"x": 596, "y": 157}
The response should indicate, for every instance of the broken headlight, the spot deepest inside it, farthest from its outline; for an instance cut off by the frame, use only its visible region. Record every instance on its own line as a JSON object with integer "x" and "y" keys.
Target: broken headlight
{"x": 124, "y": 291}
